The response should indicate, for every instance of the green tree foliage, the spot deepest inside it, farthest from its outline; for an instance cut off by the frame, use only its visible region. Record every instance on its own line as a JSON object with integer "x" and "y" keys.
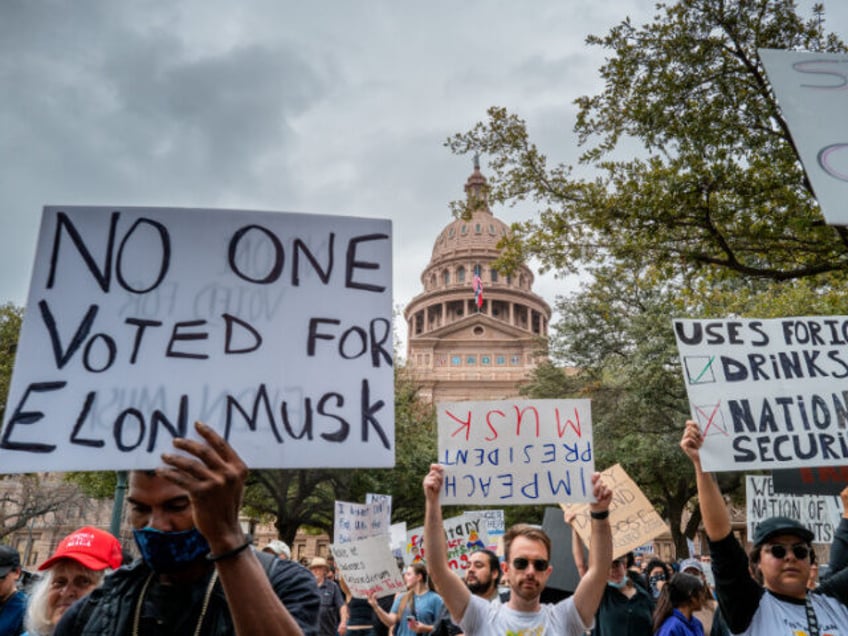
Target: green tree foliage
{"x": 699, "y": 207}
{"x": 11, "y": 317}
{"x": 716, "y": 182}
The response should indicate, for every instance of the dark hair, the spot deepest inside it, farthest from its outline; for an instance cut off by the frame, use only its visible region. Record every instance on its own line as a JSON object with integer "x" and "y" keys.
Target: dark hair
{"x": 756, "y": 554}
{"x": 658, "y": 563}
{"x": 494, "y": 562}
{"x": 529, "y": 532}
{"x": 681, "y": 589}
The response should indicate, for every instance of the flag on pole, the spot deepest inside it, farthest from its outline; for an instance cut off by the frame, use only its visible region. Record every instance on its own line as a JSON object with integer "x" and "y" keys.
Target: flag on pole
{"x": 477, "y": 284}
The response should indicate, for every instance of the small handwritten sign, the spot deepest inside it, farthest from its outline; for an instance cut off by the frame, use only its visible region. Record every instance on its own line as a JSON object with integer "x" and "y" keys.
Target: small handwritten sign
{"x": 632, "y": 517}
{"x": 516, "y": 452}
{"x": 821, "y": 514}
{"x": 273, "y": 328}
{"x": 767, "y": 394}
{"x": 368, "y": 567}
{"x": 464, "y": 535}
{"x": 354, "y": 521}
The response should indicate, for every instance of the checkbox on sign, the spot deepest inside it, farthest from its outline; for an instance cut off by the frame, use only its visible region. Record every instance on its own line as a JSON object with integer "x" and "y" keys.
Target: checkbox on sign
{"x": 699, "y": 369}
{"x": 710, "y": 419}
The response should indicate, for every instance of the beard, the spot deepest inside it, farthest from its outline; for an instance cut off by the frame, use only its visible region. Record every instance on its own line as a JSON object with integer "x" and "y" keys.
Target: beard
{"x": 478, "y": 588}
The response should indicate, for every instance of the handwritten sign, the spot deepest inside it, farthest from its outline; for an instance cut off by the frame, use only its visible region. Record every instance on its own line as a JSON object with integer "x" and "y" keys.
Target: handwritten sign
{"x": 632, "y": 517}
{"x": 273, "y": 328}
{"x": 464, "y": 535}
{"x": 516, "y": 452}
{"x": 819, "y": 513}
{"x": 495, "y": 525}
{"x": 368, "y": 567}
{"x": 811, "y": 91}
{"x": 354, "y": 521}
{"x": 767, "y": 393}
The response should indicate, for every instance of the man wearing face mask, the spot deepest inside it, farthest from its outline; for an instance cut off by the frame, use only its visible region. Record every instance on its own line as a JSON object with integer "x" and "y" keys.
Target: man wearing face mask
{"x": 198, "y": 573}
{"x": 626, "y": 607}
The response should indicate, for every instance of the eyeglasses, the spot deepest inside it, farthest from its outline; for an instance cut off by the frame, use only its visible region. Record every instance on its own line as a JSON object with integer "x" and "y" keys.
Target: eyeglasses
{"x": 520, "y": 563}
{"x": 779, "y": 551}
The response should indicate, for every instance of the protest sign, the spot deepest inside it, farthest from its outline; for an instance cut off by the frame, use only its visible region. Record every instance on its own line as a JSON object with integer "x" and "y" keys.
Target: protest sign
{"x": 397, "y": 538}
{"x": 368, "y": 567}
{"x": 495, "y": 526}
{"x": 464, "y": 534}
{"x": 819, "y": 513}
{"x": 821, "y": 480}
{"x": 273, "y": 328}
{"x": 767, "y": 393}
{"x": 516, "y": 451}
{"x": 811, "y": 90}
{"x": 354, "y": 521}
{"x": 632, "y": 517}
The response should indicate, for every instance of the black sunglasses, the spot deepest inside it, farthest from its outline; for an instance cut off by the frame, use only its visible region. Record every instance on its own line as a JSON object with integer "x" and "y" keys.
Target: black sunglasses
{"x": 520, "y": 563}
{"x": 779, "y": 551}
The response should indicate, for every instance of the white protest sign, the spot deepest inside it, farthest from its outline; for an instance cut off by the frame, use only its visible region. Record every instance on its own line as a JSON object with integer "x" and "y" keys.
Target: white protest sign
{"x": 397, "y": 538}
{"x": 632, "y": 517}
{"x": 464, "y": 534}
{"x": 811, "y": 91}
{"x": 516, "y": 451}
{"x": 368, "y": 567}
{"x": 820, "y": 513}
{"x": 767, "y": 393}
{"x": 371, "y": 497}
{"x": 273, "y": 328}
{"x": 495, "y": 526}
{"x": 354, "y": 521}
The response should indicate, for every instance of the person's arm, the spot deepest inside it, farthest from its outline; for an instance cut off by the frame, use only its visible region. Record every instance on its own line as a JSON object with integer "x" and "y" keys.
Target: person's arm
{"x": 737, "y": 592}
{"x": 344, "y": 613}
{"x": 576, "y": 546}
{"x": 215, "y": 482}
{"x": 453, "y": 591}
{"x": 590, "y": 590}
{"x": 713, "y": 509}
{"x": 839, "y": 547}
{"x": 386, "y": 618}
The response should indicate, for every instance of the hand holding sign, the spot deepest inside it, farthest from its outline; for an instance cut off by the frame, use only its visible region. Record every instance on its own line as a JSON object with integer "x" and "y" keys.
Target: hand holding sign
{"x": 215, "y": 483}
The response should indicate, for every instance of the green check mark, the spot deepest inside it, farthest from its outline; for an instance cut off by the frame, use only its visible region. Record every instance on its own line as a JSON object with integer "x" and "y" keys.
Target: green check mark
{"x": 705, "y": 369}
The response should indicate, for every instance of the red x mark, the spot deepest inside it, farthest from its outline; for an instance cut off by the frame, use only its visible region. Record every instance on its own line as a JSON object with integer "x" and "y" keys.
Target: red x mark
{"x": 710, "y": 419}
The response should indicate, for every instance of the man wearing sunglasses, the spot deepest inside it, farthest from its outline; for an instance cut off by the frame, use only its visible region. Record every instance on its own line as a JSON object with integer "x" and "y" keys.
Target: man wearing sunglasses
{"x": 527, "y": 569}
{"x": 770, "y": 599}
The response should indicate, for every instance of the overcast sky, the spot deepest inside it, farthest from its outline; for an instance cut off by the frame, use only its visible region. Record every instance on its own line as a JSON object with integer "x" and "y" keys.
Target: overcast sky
{"x": 325, "y": 107}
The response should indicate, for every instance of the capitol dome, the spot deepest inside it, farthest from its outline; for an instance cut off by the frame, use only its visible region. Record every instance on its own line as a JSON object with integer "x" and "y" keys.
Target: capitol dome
{"x": 474, "y": 332}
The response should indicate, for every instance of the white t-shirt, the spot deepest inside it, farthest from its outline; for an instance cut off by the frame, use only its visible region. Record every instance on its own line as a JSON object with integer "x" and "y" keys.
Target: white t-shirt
{"x": 496, "y": 619}
{"x": 775, "y": 617}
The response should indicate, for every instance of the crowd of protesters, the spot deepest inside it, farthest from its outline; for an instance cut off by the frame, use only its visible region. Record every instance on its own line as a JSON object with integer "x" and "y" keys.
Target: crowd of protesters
{"x": 198, "y": 573}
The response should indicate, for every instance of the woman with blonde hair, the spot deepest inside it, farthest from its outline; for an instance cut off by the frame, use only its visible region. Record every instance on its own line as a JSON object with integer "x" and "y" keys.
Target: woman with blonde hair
{"x": 75, "y": 569}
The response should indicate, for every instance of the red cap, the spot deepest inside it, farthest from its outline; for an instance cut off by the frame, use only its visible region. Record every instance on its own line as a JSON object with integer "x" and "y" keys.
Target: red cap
{"x": 91, "y": 547}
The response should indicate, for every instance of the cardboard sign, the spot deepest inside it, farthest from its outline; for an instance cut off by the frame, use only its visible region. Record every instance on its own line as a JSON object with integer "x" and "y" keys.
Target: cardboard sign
{"x": 767, "y": 393}
{"x": 274, "y": 329}
{"x": 464, "y": 535}
{"x": 354, "y": 521}
{"x": 823, "y": 480}
{"x": 632, "y": 517}
{"x": 820, "y": 514}
{"x": 516, "y": 452}
{"x": 811, "y": 91}
{"x": 368, "y": 567}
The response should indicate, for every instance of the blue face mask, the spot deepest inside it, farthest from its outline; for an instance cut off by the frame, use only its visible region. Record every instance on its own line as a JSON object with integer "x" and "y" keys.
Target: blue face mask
{"x": 167, "y": 552}
{"x": 620, "y": 584}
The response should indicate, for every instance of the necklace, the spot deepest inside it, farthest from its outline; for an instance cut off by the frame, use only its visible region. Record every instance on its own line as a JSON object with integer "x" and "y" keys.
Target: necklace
{"x": 206, "y": 597}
